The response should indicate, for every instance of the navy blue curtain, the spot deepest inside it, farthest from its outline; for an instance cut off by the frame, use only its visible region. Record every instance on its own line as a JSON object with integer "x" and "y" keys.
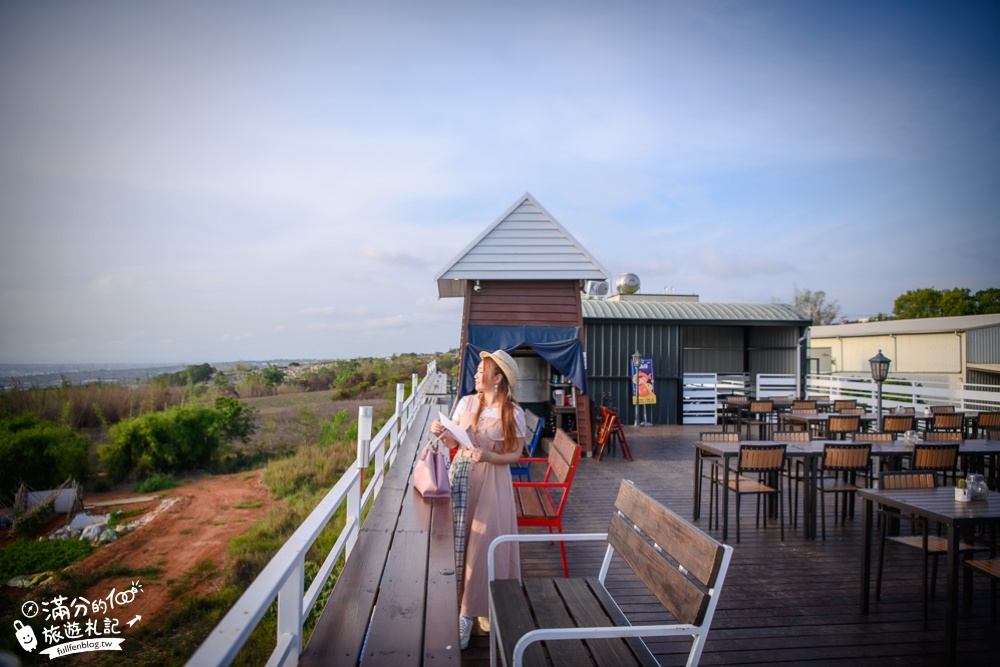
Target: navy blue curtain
{"x": 560, "y": 346}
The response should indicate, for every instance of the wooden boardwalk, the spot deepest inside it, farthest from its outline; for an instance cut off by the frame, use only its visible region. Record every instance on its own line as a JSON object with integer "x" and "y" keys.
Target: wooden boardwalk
{"x": 783, "y": 603}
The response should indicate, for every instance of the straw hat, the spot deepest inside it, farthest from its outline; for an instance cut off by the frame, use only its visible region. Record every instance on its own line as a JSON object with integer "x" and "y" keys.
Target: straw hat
{"x": 506, "y": 363}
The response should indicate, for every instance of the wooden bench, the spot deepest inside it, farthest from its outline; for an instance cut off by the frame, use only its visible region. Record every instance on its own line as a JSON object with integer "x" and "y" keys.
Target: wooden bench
{"x": 533, "y": 435}
{"x": 396, "y": 600}
{"x": 541, "y": 504}
{"x": 576, "y": 621}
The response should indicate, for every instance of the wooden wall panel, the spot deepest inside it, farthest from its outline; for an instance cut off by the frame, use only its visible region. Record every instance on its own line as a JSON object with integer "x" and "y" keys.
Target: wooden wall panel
{"x": 551, "y": 303}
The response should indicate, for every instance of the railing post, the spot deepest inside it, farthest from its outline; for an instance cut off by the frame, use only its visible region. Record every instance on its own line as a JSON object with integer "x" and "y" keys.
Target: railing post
{"x": 290, "y": 609}
{"x": 354, "y": 495}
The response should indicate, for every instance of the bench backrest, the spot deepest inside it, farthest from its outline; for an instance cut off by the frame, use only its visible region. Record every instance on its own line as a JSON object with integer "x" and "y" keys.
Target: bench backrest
{"x": 533, "y": 434}
{"x": 563, "y": 457}
{"x": 686, "y": 572}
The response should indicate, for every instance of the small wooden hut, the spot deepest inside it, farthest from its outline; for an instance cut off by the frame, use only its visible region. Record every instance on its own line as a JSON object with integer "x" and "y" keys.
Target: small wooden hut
{"x": 521, "y": 279}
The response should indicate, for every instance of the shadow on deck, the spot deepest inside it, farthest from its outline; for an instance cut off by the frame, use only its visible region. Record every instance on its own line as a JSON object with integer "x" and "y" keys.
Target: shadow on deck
{"x": 784, "y": 603}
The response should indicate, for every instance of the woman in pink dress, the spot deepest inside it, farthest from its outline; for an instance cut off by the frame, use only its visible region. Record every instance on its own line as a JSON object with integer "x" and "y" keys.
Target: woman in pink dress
{"x": 496, "y": 426}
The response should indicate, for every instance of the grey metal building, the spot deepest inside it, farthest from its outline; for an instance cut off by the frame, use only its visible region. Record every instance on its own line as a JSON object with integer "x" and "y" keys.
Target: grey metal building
{"x": 685, "y": 337}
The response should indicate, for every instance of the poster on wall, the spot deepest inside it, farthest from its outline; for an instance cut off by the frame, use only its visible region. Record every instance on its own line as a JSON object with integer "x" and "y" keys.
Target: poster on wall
{"x": 643, "y": 387}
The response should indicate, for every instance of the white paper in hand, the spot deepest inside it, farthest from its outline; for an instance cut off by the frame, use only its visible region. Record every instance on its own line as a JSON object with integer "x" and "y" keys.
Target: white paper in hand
{"x": 457, "y": 432}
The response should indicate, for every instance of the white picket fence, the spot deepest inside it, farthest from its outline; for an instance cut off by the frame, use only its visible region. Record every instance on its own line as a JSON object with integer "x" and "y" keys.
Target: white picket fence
{"x": 284, "y": 577}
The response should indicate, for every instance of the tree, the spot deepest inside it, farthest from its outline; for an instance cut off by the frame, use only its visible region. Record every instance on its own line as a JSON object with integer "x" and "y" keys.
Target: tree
{"x": 930, "y": 302}
{"x": 987, "y": 301}
{"x": 813, "y": 305}
{"x": 273, "y": 375}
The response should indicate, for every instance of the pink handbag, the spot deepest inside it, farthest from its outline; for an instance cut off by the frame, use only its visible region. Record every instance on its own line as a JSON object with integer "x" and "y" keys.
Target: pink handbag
{"x": 430, "y": 475}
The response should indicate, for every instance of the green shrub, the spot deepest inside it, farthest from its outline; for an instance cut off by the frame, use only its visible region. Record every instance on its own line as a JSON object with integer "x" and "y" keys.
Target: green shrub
{"x": 177, "y": 440}
{"x": 155, "y": 483}
{"x": 39, "y": 453}
{"x": 31, "y": 556}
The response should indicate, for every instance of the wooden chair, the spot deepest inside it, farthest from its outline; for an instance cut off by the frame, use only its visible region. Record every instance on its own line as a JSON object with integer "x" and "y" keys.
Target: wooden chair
{"x": 578, "y": 621}
{"x": 758, "y": 414}
{"x": 713, "y": 437}
{"x": 941, "y": 458}
{"x": 796, "y": 475}
{"x": 853, "y": 411}
{"x": 758, "y": 472}
{"x": 800, "y": 412}
{"x": 838, "y": 427}
{"x": 940, "y": 409}
{"x": 804, "y": 405}
{"x": 991, "y": 568}
{"x": 840, "y": 405}
{"x": 943, "y": 436}
{"x": 541, "y": 504}
{"x": 611, "y": 432}
{"x": 931, "y": 546}
{"x": 892, "y": 423}
{"x": 989, "y": 424}
{"x": 730, "y": 413}
{"x": 534, "y": 426}
{"x": 873, "y": 437}
{"x": 846, "y": 462}
{"x": 953, "y": 422}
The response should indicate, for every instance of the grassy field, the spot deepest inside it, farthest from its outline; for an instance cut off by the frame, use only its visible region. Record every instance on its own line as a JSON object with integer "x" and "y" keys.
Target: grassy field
{"x": 303, "y": 442}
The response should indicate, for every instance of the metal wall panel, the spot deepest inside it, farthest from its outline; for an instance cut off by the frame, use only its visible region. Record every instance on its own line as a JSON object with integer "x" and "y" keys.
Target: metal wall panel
{"x": 609, "y": 346}
{"x": 983, "y": 345}
{"x": 676, "y": 350}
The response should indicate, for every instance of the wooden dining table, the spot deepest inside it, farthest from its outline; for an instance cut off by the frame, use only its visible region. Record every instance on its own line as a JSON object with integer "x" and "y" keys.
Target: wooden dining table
{"x": 937, "y": 504}
{"x": 810, "y": 454}
{"x": 822, "y": 419}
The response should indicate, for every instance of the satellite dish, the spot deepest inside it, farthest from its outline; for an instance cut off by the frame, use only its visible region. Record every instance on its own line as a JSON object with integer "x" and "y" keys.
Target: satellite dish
{"x": 627, "y": 283}
{"x": 596, "y": 288}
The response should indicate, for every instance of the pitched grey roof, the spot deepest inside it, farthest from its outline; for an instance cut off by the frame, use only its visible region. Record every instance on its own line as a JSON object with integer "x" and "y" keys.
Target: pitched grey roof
{"x": 524, "y": 243}
{"x": 921, "y": 325}
{"x": 752, "y": 313}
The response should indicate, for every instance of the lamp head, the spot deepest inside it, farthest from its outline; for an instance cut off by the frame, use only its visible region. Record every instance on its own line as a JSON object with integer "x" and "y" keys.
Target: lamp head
{"x": 880, "y": 366}
{"x": 636, "y": 359}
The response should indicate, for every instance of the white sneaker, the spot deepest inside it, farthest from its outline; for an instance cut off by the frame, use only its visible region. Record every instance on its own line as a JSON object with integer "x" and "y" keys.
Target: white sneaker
{"x": 464, "y": 631}
{"x": 484, "y": 624}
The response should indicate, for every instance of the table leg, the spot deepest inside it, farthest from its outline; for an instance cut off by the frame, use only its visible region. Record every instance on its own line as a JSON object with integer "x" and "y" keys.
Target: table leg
{"x": 809, "y": 499}
{"x": 699, "y": 464}
{"x": 866, "y": 555}
{"x": 725, "y": 498}
{"x": 951, "y": 617}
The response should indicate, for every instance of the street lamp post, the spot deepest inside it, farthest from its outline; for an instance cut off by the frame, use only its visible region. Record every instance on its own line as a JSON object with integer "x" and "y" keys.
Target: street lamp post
{"x": 636, "y": 360}
{"x": 880, "y": 371}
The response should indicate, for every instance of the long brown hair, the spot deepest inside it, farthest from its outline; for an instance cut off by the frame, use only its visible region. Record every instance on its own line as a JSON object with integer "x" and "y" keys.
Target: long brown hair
{"x": 511, "y": 442}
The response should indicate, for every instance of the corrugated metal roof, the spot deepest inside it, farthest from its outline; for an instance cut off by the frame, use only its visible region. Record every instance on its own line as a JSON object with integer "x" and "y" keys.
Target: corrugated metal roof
{"x": 703, "y": 312}
{"x": 525, "y": 243}
{"x": 922, "y": 325}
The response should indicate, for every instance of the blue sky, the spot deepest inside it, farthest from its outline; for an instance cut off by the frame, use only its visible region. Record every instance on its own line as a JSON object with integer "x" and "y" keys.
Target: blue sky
{"x": 210, "y": 181}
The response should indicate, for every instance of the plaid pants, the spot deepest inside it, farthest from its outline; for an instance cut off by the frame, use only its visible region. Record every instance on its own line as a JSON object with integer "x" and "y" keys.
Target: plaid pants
{"x": 458, "y": 478}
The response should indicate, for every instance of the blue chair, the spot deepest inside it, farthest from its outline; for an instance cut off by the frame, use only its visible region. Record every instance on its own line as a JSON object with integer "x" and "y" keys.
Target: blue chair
{"x": 535, "y": 426}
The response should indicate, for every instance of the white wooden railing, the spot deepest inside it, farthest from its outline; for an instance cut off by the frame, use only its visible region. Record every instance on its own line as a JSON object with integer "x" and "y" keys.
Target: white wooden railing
{"x": 284, "y": 577}
{"x": 895, "y": 392}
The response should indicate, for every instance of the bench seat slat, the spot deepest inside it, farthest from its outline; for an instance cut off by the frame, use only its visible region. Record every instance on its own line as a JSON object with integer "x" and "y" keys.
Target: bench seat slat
{"x": 534, "y": 503}
{"x": 587, "y": 610}
{"x": 550, "y": 612}
{"x": 513, "y": 619}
